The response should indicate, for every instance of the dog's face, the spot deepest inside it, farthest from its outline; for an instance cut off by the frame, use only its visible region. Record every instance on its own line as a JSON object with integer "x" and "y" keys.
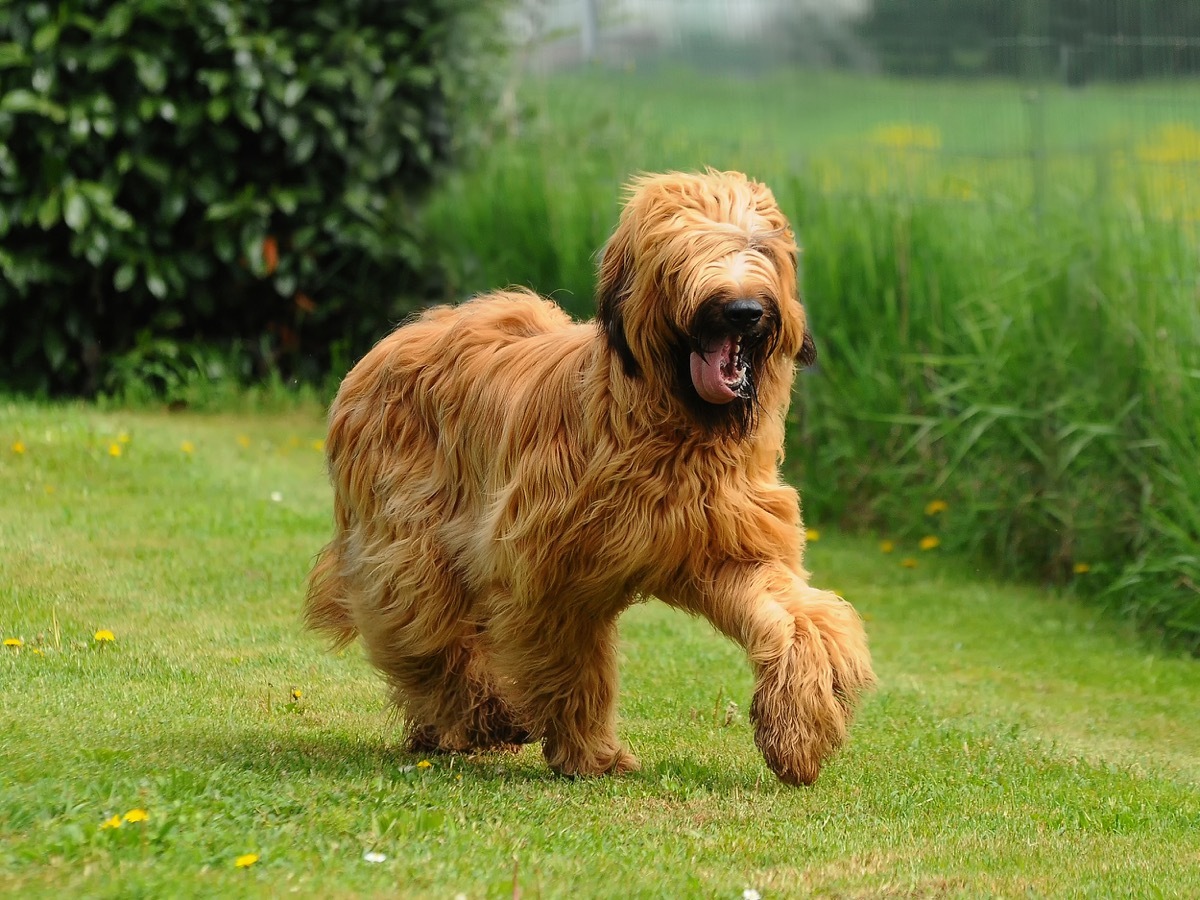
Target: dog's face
{"x": 697, "y": 291}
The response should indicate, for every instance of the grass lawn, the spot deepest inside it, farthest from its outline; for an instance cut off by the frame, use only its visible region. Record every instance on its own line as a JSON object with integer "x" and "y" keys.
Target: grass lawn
{"x": 1016, "y": 744}
{"x": 803, "y": 111}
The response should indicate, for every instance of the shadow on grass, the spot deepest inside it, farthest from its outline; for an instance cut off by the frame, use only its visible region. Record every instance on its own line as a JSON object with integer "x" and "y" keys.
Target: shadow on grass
{"x": 334, "y": 756}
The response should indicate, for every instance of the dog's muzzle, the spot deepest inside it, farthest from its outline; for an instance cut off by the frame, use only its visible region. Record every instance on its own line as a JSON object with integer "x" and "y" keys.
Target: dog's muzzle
{"x": 719, "y": 372}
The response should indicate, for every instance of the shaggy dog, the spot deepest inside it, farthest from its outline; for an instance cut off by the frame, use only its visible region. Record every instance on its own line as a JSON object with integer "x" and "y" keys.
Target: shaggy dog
{"x": 507, "y": 482}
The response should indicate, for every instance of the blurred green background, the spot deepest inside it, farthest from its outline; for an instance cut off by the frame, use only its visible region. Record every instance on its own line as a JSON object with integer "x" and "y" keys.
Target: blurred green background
{"x": 998, "y": 206}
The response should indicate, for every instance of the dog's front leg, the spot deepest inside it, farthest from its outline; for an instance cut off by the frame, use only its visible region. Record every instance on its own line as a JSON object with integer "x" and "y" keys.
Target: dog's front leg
{"x": 810, "y": 658}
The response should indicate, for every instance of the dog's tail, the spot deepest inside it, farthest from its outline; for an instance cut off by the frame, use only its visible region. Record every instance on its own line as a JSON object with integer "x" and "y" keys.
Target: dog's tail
{"x": 325, "y": 607}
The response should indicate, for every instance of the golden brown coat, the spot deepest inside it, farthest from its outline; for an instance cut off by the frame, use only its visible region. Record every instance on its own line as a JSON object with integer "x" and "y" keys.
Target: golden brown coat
{"x": 507, "y": 482}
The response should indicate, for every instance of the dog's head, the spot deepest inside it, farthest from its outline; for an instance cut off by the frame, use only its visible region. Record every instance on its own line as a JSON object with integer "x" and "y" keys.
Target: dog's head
{"x": 697, "y": 290}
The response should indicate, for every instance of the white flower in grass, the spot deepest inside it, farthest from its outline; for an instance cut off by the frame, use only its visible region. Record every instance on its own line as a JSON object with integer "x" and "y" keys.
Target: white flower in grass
{"x": 277, "y": 496}
{"x": 373, "y": 857}
{"x": 751, "y": 894}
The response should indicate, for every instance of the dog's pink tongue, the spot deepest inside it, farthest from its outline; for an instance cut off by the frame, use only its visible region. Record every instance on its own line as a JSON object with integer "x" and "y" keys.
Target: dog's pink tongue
{"x": 706, "y": 375}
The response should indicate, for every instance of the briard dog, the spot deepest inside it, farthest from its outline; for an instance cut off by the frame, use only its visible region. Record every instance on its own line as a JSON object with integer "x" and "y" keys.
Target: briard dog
{"x": 507, "y": 482}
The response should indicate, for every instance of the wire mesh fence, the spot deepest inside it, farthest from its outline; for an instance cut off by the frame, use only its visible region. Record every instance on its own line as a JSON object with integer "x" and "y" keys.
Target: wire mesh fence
{"x": 945, "y": 101}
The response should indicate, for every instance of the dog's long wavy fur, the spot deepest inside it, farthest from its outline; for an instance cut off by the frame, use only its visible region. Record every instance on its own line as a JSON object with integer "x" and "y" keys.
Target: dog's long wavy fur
{"x": 507, "y": 482}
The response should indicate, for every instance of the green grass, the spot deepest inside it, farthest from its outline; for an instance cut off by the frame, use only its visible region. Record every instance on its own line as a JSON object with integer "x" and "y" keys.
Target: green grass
{"x": 812, "y": 111}
{"x": 1016, "y": 744}
{"x": 942, "y": 139}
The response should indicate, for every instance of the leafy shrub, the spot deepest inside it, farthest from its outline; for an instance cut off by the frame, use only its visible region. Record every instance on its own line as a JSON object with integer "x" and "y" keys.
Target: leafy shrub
{"x": 178, "y": 174}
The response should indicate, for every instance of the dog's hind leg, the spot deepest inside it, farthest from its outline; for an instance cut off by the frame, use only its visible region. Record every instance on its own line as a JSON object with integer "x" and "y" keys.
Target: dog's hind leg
{"x": 452, "y": 706}
{"x": 560, "y": 670}
{"x": 810, "y": 658}
{"x": 414, "y": 614}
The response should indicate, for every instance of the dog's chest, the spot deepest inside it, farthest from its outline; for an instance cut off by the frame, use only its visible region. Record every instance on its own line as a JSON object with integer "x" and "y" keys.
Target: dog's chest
{"x": 621, "y": 530}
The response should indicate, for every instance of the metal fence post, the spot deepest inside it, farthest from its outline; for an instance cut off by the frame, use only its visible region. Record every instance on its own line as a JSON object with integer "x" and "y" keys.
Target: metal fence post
{"x": 589, "y": 30}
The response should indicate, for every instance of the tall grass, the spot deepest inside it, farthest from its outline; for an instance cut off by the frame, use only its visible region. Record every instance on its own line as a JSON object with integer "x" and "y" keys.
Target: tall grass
{"x": 1031, "y": 361}
{"x": 1041, "y": 379}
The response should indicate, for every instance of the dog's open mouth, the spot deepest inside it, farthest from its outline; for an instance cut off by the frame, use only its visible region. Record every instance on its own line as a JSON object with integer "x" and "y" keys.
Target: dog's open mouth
{"x": 720, "y": 374}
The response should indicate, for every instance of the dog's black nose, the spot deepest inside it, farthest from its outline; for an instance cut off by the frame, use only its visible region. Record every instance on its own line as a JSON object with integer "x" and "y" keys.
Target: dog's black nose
{"x": 743, "y": 313}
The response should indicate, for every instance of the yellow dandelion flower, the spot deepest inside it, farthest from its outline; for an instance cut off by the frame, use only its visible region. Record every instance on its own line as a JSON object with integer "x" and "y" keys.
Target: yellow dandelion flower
{"x": 50, "y": 489}
{"x": 104, "y": 636}
{"x": 243, "y": 441}
{"x": 906, "y": 136}
{"x": 246, "y": 860}
{"x": 1174, "y": 143}
{"x": 929, "y": 542}
{"x": 136, "y": 815}
{"x": 1082, "y": 568}
{"x": 319, "y": 446}
{"x": 297, "y": 693}
{"x": 18, "y": 447}
{"x": 114, "y": 449}
{"x": 812, "y": 534}
{"x": 124, "y": 438}
{"x": 887, "y": 546}
{"x": 114, "y": 822}
{"x": 14, "y": 642}
{"x": 37, "y": 651}
{"x": 187, "y": 447}
{"x": 424, "y": 764}
{"x": 936, "y": 506}
{"x": 908, "y": 562}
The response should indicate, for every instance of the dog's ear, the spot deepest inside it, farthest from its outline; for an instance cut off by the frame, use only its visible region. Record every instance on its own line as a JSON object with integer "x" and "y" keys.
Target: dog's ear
{"x": 808, "y": 350}
{"x": 612, "y": 288}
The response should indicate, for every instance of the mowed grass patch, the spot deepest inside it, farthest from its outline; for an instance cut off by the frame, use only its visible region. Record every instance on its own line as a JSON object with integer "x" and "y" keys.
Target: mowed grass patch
{"x": 1015, "y": 744}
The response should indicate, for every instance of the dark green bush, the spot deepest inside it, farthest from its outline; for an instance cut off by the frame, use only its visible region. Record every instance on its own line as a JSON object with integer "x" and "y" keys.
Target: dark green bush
{"x": 178, "y": 174}
{"x": 1069, "y": 39}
